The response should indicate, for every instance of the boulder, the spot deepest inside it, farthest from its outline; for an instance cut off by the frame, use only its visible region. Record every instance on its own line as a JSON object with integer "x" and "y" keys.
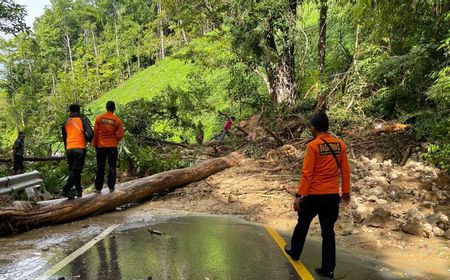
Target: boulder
{"x": 380, "y": 217}
{"x": 382, "y": 202}
{"x": 447, "y": 234}
{"x": 378, "y": 192}
{"x": 438, "y": 232}
{"x": 365, "y": 160}
{"x": 361, "y": 213}
{"x": 360, "y": 165}
{"x": 428, "y": 230}
{"x": 414, "y": 223}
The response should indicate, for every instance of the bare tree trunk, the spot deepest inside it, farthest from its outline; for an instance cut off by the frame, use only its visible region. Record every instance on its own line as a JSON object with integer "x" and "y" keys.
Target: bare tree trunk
{"x": 116, "y": 35}
{"x": 322, "y": 35}
{"x": 54, "y": 84}
{"x": 94, "y": 43}
{"x": 183, "y": 33}
{"x": 128, "y": 68}
{"x": 321, "y": 100}
{"x": 69, "y": 48}
{"x": 17, "y": 219}
{"x": 161, "y": 33}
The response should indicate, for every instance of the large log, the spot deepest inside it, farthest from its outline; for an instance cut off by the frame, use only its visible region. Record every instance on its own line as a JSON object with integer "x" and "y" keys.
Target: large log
{"x": 52, "y": 158}
{"x": 13, "y": 220}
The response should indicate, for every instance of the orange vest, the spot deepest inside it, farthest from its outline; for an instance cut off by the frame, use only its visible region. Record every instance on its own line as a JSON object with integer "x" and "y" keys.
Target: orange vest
{"x": 320, "y": 173}
{"x": 75, "y": 137}
{"x": 108, "y": 131}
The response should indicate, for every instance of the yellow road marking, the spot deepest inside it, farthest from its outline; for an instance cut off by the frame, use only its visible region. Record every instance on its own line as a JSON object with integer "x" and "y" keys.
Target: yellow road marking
{"x": 76, "y": 254}
{"x": 299, "y": 267}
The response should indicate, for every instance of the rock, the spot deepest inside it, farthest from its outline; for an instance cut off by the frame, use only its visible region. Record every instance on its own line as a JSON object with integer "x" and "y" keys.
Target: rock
{"x": 382, "y": 202}
{"x": 387, "y": 164}
{"x": 394, "y": 196}
{"x": 438, "y": 232}
{"x": 438, "y": 218}
{"x": 447, "y": 234}
{"x": 380, "y": 217}
{"x": 372, "y": 198}
{"x": 428, "y": 230}
{"x": 378, "y": 192}
{"x": 361, "y": 213}
{"x": 365, "y": 160}
{"x": 414, "y": 223}
{"x": 393, "y": 175}
{"x": 374, "y": 165}
{"x": 45, "y": 249}
{"x": 360, "y": 165}
{"x": 381, "y": 212}
{"x": 381, "y": 181}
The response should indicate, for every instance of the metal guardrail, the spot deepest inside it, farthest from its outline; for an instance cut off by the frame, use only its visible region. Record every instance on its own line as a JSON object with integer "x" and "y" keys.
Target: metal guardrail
{"x": 19, "y": 182}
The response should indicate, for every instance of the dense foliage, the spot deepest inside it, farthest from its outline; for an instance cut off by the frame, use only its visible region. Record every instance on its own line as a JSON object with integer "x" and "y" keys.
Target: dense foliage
{"x": 364, "y": 60}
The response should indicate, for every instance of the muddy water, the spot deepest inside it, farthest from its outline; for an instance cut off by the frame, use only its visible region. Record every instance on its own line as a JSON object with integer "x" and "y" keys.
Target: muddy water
{"x": 30, "y": 254}
{"x": 23, "y": 255}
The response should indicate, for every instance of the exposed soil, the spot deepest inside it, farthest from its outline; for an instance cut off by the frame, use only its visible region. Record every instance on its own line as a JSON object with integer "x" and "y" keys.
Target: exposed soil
{"x": 261, "y": 191}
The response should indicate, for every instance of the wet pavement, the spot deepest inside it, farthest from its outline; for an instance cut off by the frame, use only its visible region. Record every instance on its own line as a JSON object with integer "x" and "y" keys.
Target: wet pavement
{"x": 191, "y": 247}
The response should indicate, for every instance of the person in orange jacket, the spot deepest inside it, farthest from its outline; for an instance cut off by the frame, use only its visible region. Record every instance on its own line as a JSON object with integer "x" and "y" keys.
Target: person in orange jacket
{"x": 108, "y": 132}
{"x": 76, "y": 132}
{"x": 318, "y": 192}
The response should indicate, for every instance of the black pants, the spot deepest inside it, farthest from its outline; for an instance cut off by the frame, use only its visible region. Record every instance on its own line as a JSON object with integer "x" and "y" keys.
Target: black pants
{"x": 75, "y": 158}
{"x": 104, "y": 154}
{"x": 18, "y": 164}
{"x": 327, "y": 207}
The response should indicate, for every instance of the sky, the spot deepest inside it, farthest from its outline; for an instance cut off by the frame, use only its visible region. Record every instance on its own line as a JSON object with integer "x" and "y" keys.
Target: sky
{"x": 35, "y": 8}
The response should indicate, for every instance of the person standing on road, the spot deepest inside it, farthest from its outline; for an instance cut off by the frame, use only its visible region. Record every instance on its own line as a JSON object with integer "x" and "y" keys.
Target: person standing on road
{"x": 318, "y": 192}
{"x": 108, "y": 132}
{"x": 76, "y": 132}
{"x": 18, "y": 152}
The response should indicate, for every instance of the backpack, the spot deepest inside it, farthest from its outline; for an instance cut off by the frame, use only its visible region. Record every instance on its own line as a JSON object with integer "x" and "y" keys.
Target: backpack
{"x": 87, "y": 129}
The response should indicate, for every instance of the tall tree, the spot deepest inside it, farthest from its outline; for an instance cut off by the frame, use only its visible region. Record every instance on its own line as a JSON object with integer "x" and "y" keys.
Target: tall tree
{"x": 12, "y": 17}
{"x": 321, "y": 106}
{"x": 263, "y": 37}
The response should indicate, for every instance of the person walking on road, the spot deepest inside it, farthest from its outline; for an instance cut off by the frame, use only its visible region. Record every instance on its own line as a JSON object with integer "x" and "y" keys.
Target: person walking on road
{"x": 76, "y": 132}
{"x": 18, "y": 152}
{"x": 108, "y": 132}
{"x": 318, "y": 192}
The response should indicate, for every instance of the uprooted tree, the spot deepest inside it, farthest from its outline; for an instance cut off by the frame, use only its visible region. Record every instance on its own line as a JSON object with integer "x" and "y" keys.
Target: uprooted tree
{"x": 15, "y": 219}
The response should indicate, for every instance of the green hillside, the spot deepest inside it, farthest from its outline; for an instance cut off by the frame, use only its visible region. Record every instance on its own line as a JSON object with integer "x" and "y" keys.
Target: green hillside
{"x": 174, "y": 72}
{"x": 147, "y": 83}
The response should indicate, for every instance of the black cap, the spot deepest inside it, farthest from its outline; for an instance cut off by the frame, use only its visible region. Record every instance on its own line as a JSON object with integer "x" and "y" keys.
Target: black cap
{"x": 320, "y": 122}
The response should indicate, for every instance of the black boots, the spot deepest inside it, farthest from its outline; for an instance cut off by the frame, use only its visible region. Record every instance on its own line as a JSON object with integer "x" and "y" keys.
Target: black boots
{"x": 288, "y": 251}
{"x": 324, "y": 273}
{"x": 68, "y": 195}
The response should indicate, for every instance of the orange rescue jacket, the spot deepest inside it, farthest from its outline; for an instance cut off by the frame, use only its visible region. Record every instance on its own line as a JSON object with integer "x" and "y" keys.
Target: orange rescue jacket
{"x": 320, "y": 172}
{"x": 108, "y": 131}
{"x": 73, "y": 133}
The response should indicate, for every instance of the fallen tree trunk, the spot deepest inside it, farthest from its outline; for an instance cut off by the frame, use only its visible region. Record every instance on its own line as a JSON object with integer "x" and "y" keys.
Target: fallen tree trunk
{"x": 6, "y": 160}
{"x": 13, "y": 220}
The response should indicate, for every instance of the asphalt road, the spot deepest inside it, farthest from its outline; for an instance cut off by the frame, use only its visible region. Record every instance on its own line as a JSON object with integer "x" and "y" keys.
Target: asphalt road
{"x": 198, "y": 248}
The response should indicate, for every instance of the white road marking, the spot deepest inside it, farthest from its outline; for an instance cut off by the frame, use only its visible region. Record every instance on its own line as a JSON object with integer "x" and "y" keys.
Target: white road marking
{"x": 76, "y": 254}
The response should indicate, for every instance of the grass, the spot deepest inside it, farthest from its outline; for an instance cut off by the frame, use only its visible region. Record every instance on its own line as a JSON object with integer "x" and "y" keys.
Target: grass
{"x": 147, "y": 83}
{"x": 173, "y": 71}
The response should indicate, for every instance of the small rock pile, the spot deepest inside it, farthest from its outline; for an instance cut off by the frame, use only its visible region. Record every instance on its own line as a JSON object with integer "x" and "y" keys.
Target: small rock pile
{"x": 407, "y": 198}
